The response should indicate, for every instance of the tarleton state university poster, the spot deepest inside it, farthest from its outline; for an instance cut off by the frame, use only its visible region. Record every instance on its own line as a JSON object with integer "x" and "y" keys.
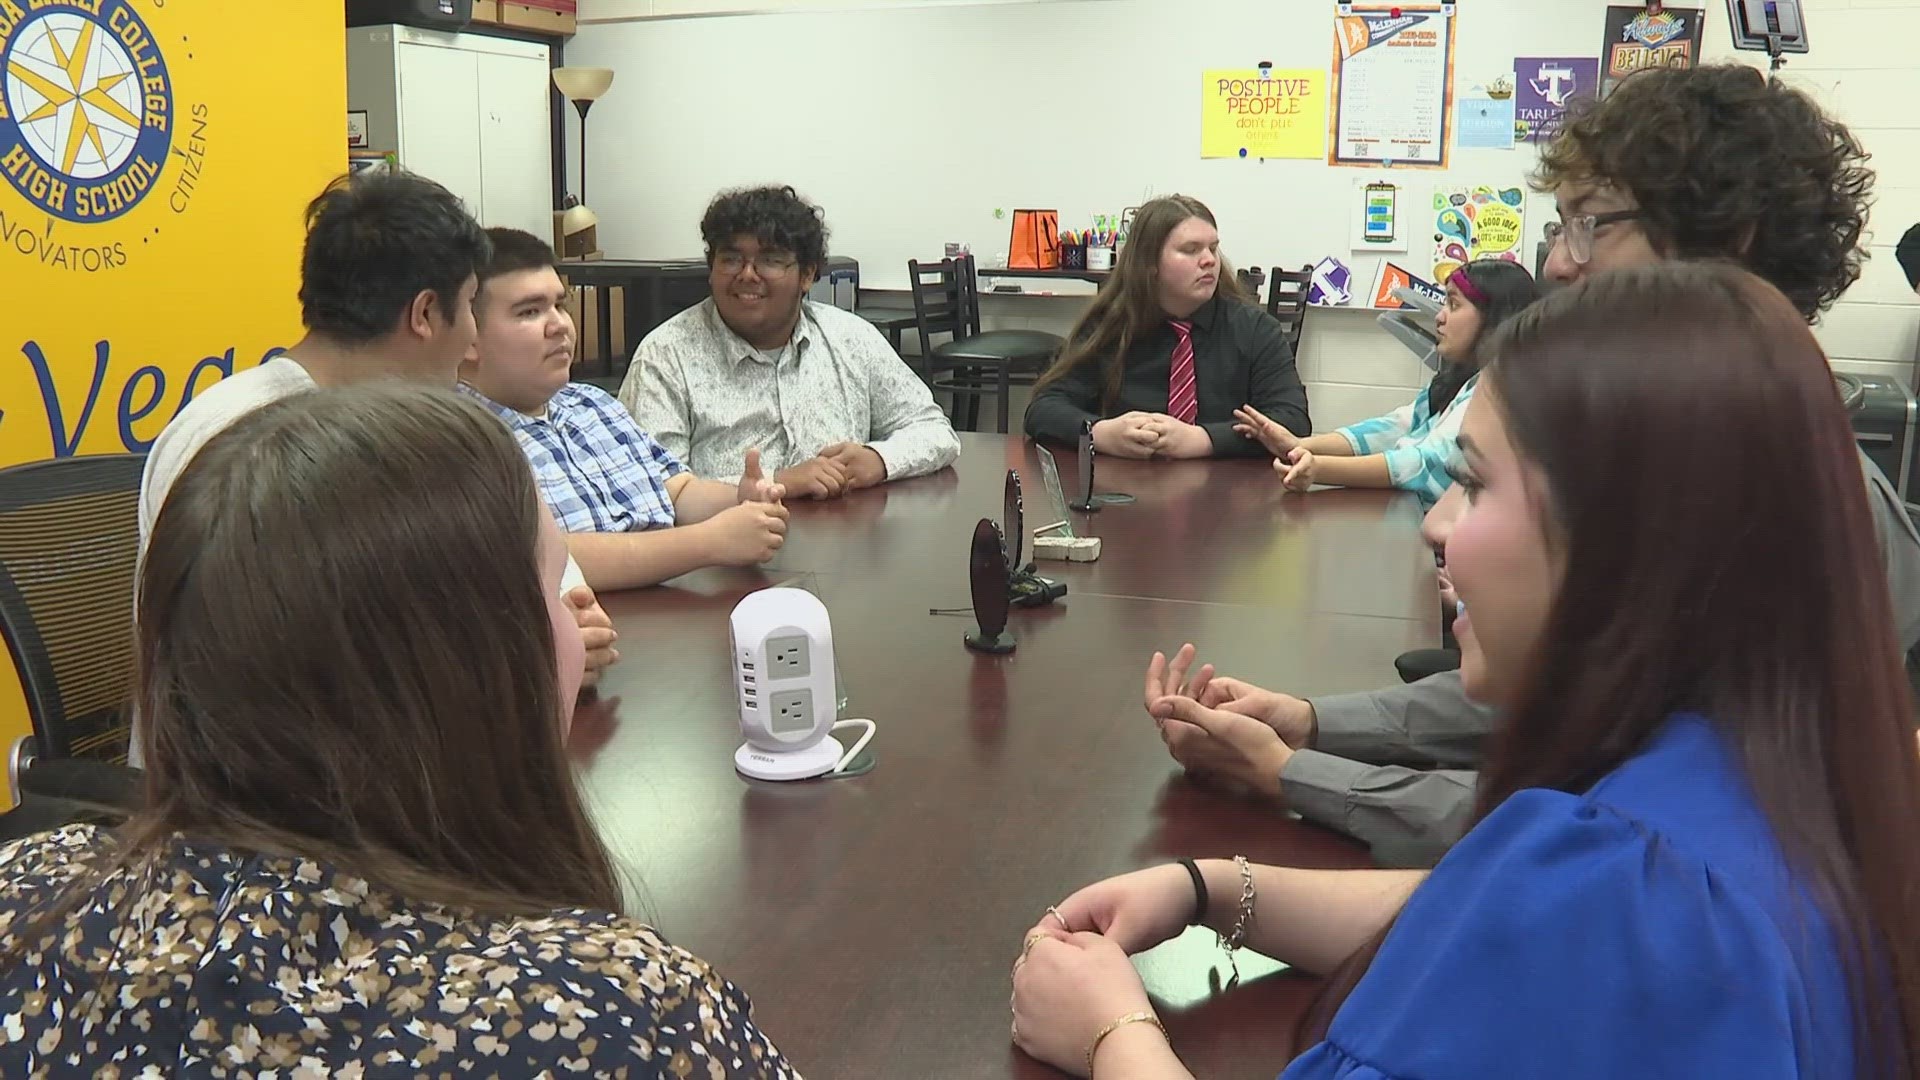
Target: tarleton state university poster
{"x": 1546, "y": 85}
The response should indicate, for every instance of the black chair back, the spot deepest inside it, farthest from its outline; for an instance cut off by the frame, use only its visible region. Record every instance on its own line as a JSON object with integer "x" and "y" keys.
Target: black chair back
{"x": 69, "y": 545}
{"x": 1287, "y": 299}
{"x": 969, "y": 275}
{"x": 938, "y": 306}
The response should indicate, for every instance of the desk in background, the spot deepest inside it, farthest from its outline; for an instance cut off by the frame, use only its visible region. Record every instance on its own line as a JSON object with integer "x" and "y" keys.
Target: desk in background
{"x": 874, "y": 920}
{"x": 1095, "y": 277}
{"x": 652, "y": 291}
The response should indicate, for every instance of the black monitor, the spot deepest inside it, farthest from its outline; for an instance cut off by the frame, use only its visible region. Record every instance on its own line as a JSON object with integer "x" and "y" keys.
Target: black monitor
{"x": 1768, "y": 26}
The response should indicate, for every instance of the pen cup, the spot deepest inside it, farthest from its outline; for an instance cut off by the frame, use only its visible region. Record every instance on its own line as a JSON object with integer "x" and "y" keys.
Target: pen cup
{"x": 1099, "y": 258}
{"x": 1073, "y": 256}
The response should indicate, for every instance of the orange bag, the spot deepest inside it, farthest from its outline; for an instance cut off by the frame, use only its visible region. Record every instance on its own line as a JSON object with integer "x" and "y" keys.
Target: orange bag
{"x": 1036, "y": 240}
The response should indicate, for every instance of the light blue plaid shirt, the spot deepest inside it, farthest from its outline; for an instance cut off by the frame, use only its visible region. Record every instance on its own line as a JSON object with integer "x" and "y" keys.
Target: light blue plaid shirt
{"x": 1417, "y": 445}
{"x": 597, "y": 470}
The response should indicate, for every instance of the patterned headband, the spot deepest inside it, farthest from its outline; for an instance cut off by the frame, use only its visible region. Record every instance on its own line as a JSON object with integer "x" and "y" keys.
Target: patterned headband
{"x": 1459, "y": 280}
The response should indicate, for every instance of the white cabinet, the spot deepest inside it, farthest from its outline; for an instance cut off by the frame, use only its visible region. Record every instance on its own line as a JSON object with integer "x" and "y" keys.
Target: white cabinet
{"x": 468, "y": 110}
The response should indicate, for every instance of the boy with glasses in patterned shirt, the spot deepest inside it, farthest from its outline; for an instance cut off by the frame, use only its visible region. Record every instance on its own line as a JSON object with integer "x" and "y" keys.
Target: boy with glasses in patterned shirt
{"x": 816, "y": 389}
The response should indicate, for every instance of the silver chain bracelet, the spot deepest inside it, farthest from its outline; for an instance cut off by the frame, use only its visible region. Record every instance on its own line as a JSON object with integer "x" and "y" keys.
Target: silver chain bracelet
{"x": 1243, "y": 920}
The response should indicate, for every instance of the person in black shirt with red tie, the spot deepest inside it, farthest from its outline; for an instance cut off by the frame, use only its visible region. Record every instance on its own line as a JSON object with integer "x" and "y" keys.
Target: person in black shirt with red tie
{"x": 1169, "y": 349}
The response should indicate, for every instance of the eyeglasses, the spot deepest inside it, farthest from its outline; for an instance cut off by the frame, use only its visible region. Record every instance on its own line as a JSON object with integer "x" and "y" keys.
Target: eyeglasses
{"x": 1578, "y": 231}
{"x": 766, "y": 264}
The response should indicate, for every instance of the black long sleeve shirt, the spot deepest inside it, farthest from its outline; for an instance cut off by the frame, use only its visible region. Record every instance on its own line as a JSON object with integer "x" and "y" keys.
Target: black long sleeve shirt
{"x": 1240, "y": 357}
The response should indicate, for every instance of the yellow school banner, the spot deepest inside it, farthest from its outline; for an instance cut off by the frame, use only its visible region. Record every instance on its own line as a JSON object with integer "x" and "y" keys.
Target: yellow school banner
{"x": 155, "y": 160}
{"x": 1262, "y": 113}
{"x": 156, "y": 155}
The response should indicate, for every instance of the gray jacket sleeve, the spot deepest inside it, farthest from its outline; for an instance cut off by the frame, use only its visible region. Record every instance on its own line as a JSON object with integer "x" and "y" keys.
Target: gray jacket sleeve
{"x": 1427, "y": 724}
{"x": 1899, "y": 545}
{"x": 1393, "y": 768}
{"x": 1406, "y": 817}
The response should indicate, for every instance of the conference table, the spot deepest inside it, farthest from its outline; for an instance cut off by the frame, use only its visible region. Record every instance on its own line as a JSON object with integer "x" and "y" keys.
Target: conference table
{"x": 874, "y": 920}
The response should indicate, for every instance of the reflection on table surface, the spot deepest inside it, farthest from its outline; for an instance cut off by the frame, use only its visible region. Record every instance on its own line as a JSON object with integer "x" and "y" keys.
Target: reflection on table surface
{"x": 874, "y": 920}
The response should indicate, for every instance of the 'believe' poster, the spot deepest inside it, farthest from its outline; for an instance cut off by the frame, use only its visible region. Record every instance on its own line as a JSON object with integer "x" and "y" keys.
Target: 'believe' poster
{"x": 1636, "y": 41}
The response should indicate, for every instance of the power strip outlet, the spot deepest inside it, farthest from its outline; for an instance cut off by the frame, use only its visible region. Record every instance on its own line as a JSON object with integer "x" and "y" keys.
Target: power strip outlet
{"x": 787, "y": 657}
{"x": 790, "y": 710}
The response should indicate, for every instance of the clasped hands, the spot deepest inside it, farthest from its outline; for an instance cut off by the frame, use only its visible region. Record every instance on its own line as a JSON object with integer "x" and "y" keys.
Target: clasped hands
{"x": 1074, "y": 977}
{"x": 1147, "y": 435}
{"x": 1225, "y": 729}
{"x": 835, "y": 471}
{"x": 754, "y": 529}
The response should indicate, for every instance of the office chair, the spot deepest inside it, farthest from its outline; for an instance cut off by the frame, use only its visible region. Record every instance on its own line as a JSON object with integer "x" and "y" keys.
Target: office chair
{"x": 69, "y": 545}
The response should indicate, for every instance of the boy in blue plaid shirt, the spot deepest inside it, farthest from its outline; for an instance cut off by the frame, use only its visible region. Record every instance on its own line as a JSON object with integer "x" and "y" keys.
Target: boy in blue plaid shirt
{"x": 633, "y": 515}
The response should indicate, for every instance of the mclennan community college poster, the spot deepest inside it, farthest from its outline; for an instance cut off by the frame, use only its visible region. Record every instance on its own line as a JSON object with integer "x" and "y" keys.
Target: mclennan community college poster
{"x": 155, "y": 159}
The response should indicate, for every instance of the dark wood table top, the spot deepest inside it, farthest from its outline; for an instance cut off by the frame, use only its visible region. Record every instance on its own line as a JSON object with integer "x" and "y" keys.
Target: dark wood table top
{"x": 874, "y": 920}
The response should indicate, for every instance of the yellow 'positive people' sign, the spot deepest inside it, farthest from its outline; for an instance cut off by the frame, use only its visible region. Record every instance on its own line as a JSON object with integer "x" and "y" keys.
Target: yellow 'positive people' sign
{"x": 155, "y": 160}
{"x": 1263, "y": 114}
{"x": 155, "y": 156}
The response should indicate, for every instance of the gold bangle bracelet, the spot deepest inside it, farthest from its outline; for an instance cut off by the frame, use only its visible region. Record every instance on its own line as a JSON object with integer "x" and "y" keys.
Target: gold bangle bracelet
{"x": 1130, "y": 1018}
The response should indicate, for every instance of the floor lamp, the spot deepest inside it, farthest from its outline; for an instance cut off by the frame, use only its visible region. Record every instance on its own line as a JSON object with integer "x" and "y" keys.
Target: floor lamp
{"x": 583, "y": 86}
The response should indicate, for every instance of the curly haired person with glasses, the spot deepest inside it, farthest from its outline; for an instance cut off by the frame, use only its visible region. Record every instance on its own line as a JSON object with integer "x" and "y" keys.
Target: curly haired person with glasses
{"x": 817, "y": 390}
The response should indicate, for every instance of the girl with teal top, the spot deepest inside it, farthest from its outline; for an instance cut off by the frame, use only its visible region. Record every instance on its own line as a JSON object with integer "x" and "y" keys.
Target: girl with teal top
{"x": 1408, "y": 448}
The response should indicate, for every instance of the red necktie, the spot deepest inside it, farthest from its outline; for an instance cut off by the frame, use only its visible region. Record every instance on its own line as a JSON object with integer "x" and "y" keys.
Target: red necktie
{"x": 1183, "y": 400}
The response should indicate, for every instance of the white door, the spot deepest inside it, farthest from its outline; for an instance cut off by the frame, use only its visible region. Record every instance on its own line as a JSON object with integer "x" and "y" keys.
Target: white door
{"x": 439, "y": 133}
{"x": 516, "y": 151}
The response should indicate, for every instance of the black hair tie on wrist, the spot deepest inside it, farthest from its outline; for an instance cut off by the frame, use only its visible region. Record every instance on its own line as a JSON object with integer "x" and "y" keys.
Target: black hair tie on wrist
{"x": 1199, "y": 893}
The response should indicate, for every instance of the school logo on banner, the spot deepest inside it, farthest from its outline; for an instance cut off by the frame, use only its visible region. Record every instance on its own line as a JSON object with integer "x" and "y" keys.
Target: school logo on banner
{"x": 92, "y": 132}
{"x": 152, "y": 185}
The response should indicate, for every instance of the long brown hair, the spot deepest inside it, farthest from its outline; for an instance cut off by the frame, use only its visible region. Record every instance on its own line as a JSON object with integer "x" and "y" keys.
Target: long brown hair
{"x": 1129, "y": 302}
{"x": 1756, "y": 551}
{"x": 344, "y": 654}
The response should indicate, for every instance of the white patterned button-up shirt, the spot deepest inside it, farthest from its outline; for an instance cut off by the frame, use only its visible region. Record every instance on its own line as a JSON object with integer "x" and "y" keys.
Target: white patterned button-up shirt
{"x": 707, "y": 396}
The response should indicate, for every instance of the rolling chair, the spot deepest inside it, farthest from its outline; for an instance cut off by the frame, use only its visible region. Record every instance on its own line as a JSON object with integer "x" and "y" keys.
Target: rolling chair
{"x": 69, "y": 545}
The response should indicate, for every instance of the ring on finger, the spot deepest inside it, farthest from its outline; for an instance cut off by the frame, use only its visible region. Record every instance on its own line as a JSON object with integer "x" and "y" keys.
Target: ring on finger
{"x": 1059, "y": 918}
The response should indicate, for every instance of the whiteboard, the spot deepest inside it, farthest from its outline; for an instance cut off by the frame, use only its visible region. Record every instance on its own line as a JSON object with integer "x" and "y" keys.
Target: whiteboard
{"x": 912, "y": 126}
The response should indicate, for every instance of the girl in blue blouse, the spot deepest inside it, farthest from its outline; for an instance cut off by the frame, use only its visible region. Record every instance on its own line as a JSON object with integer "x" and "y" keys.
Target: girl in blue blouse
{"x": 1409, "y": 447}
{"x": 1693, "y": 854}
